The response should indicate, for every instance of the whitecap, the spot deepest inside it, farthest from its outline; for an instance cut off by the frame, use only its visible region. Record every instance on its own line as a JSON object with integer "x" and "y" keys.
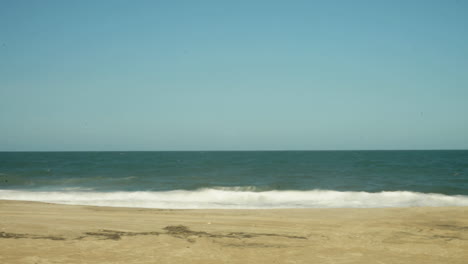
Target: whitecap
{"x": 240, "y": 199}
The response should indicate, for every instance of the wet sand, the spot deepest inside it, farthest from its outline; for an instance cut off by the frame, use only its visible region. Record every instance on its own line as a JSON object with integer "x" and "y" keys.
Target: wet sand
{"x": 41, "y": 233}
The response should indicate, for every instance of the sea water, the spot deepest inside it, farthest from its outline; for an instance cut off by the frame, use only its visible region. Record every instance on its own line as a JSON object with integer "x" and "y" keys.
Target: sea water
{"x": 238, "y": 179}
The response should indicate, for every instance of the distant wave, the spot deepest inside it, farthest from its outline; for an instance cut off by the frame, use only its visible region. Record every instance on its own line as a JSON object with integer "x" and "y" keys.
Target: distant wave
{"x": 241, "y": 188}
{"x": 240, "y": 199}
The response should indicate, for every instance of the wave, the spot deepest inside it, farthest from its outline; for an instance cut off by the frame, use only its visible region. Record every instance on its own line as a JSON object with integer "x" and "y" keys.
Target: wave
{"x": 241, "y": 188}
{"x": 231, "y": 199}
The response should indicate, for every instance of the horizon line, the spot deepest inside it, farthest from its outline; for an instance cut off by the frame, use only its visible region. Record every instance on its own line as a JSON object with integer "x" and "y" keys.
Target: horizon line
{"x": 259, "y": 150}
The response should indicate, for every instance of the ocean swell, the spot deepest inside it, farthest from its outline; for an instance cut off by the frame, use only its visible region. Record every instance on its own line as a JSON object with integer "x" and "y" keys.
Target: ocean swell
{"x": 240, "y": 199}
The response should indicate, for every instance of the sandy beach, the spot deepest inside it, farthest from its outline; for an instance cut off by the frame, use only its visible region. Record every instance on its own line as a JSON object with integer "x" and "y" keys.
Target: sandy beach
{"x": 32, "y": 232}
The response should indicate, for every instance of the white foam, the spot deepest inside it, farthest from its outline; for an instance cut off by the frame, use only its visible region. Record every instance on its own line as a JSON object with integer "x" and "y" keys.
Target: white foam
{"x": 230, "y": 199}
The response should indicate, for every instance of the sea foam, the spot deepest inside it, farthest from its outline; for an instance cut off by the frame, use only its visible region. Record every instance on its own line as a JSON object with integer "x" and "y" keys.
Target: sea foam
{"x": 240, "y": 199}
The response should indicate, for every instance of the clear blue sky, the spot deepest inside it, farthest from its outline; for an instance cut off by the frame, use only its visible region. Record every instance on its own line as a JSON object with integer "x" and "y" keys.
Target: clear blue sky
{"x": 233, "y": 75}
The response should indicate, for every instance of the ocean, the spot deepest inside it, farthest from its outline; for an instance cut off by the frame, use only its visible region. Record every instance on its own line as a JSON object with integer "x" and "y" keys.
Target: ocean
{"x": 238, "y": 179}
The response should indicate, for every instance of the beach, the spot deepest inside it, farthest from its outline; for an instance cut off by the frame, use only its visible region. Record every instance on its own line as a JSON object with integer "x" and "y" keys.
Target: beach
{"x": 33, "y": 232}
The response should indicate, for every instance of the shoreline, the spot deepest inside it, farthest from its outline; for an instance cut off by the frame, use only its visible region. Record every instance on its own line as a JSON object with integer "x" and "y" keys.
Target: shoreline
{"x": 36, "y": 232}
{"x": 246, "y": 197}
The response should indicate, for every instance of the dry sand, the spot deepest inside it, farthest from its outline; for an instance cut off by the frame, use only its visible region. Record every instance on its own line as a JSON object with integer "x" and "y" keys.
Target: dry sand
{"x": 48, "y": 233}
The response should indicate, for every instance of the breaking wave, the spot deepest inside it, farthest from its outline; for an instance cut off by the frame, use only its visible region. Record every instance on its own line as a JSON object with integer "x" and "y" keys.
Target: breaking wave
{"x": 241, "y": 198}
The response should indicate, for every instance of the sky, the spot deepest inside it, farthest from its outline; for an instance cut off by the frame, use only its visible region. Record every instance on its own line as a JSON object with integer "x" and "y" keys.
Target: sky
{"x": 233, "y": 75}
